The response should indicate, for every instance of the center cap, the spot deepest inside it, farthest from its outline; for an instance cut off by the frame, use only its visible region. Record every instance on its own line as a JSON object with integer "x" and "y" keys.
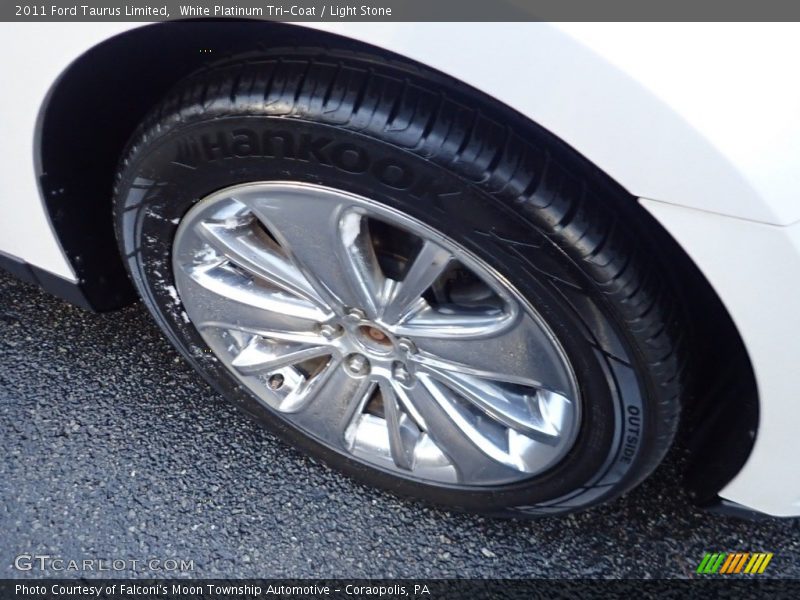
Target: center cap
{"x": 375, "y": 339}
{"x": 377, "y": 335}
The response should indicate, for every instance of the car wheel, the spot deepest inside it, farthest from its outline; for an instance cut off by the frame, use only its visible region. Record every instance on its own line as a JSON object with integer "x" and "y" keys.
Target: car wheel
{"x": 405, "y": 279}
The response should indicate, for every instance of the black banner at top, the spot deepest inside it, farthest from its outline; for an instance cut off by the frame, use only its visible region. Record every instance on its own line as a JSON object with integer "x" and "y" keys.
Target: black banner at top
{"x": 400, "y": 10}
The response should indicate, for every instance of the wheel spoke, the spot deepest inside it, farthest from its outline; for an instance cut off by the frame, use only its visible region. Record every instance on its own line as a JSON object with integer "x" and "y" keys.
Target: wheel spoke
{"x": 403, "y": 433}
{"x": 261, "y": 355}
{"x": 330, "y": 243}
{"x": 469, "y": 454}
{"x": 222, "y": 298}
{"x": 427, "y": 266}
{"x": 520, "y": 354}
{"x": 330, "y": 403}
{"x": 251, "y": 250}
{"x": 452, "y": 322}
{"x": 539, "y": 414}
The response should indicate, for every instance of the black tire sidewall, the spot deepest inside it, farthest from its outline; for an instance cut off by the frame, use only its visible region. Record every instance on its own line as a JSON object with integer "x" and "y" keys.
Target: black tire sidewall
{"x": 167, "y": 174}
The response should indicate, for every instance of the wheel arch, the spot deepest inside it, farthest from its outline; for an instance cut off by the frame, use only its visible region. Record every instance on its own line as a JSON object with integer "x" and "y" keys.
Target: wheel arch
{"x": 90, "y": 113}
{"x": 82, "y": 133}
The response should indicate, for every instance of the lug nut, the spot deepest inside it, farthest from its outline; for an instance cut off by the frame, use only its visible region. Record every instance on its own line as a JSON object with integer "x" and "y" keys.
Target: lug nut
{"x": 406, "y": 345}
{"x": 356, "y": 315}
{"x": 401, "y": 375}
{"x": 329, "y": 331}
{"x": 358, "y": 364}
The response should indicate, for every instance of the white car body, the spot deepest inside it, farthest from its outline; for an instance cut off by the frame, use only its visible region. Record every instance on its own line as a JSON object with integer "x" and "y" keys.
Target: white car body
{"x": 700, "y": 122}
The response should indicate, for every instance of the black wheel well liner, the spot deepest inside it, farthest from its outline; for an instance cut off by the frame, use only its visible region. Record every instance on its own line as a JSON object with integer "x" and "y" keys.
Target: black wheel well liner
{"x": 96, "y": 104}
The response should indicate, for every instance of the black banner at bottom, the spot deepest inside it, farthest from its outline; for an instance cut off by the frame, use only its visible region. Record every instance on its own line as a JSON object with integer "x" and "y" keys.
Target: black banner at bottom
{"x": 410, "y": 589}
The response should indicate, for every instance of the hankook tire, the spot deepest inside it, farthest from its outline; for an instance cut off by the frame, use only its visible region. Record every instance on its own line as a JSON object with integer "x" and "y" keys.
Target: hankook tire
{"x": 404, "y": 278}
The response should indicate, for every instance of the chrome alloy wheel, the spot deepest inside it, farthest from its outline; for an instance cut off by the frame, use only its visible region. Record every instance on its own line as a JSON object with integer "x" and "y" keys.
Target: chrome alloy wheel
{"x": 376, "y": 335}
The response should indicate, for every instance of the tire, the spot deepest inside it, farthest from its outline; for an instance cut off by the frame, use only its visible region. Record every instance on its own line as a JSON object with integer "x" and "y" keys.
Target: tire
{"x": 557, "y": 231}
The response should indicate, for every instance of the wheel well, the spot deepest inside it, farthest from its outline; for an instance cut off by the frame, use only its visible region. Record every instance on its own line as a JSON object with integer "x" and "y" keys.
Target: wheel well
{"x": 97, "y": 103}
{"x": 95, "y": 106}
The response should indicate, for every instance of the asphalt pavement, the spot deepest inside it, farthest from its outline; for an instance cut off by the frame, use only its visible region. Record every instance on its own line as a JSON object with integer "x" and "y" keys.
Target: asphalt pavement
{"x": 113, "y": 449}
